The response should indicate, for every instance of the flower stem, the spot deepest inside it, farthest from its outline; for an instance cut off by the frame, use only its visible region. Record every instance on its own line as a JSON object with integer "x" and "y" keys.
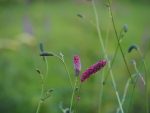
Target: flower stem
{"x": 66, "y": 68}
{"x": 42, "y": 91}
{"x": 117, "y": 37}
{"x": 104, "y": 51}
{"x": 73, "y": 92}
{"x": 43, "y": 78}
{"x": 146, "y": 84}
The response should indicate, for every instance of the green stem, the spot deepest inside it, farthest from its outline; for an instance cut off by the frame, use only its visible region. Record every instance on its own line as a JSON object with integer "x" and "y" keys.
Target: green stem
{"x": 114, "y": 56}
{"x": 42, "y": 91}
{"x": 117, "y": 37}
{"x": 71, "y": 102}
{"x": 125, "y": 92}
{"x": 104, "y": 51}
{"x": 43, "y": 78}
{"x": 146, "y": 84}
{"x": 39, "y": 106}
{"x": 101, "y": 94}
{"x": 46, "y": 74}
{"x": 66, "y": 68}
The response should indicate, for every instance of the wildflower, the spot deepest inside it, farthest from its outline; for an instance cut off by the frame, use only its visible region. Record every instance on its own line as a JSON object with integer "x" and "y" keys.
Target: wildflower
{"x": 92, "y": 69}
{"x": 77, "y": 64}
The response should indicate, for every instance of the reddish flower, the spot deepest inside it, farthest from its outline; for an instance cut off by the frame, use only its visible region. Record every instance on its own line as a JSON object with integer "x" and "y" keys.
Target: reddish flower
{"x": 77, "y": 64}
{"x": 92, "y": 69}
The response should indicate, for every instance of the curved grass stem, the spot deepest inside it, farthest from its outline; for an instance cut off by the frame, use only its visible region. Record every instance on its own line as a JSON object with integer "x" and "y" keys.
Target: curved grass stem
{"x": 66, "y": 68}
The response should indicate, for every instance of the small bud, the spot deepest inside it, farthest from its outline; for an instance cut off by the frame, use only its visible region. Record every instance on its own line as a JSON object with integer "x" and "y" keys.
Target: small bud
{"x": 41, "y": 47}
{"x": 80, "y": 15}
{"x": 125, "y": 28}
{"x": 132, "y": 47}
{"x": 107, "y": 5}
{"x": 50, "y": 90}
{"x": 46, "y": 54}
{"x": 77, "y": 64}
{"x": 37, "y": 70}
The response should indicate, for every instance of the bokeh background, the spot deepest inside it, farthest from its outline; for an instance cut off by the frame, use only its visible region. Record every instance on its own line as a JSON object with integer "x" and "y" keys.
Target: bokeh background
{"x": 26, "y": 23}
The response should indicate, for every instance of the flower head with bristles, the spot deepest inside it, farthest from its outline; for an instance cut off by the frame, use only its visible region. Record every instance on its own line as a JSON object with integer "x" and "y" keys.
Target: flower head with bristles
{"x": 92, "y": 69}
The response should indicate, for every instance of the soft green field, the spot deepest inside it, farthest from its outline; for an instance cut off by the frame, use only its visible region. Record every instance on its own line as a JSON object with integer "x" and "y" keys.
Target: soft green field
{"x": 56, "y": 25}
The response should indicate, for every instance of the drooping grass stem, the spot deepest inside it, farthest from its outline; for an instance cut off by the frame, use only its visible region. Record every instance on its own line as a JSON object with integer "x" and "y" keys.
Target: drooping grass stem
{"x": 104, "y": 51}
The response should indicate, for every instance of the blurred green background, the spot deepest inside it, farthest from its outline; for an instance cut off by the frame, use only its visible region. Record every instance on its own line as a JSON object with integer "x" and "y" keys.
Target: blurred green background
{"x": 24, "y": 24}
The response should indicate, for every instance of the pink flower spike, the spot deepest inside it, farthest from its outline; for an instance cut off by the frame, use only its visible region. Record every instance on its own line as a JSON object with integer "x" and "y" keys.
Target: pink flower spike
{"x": 77, "y": 64}
{"x": 92, "y": 69}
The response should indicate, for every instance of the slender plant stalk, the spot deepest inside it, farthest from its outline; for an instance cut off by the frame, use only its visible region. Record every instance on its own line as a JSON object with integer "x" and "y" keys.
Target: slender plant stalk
{"x": 125, "y": 92}
{"x": 68, "y": 73}
{"x": 146, "y": 84}
{"x": 101, "y": 94}
{"x": 132, "y": 93}
{"x": 66, "y": 68}
{"x": 104, "y": 51}
{"x": 114, "y": 56}
{"x": 117, "y": 37}
{"x": 43, "y": 78}
{"x": 40, "y": 101}
{"x": 73, "y": 92}
{"x": 46, "y": 74}
{"x": 103, "y": 78}
{"x": 146, "y": 88}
